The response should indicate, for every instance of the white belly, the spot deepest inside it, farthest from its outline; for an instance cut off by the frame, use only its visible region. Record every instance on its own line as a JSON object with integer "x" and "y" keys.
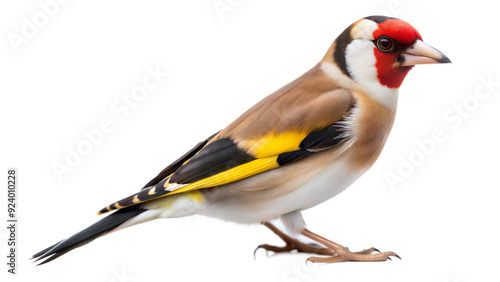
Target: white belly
{"x": 322, "y": 184}
{"x": 326, "y": 185}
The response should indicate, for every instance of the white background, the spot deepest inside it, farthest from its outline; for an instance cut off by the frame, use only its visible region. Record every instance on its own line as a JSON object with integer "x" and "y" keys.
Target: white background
{"x": 442, "y": 220}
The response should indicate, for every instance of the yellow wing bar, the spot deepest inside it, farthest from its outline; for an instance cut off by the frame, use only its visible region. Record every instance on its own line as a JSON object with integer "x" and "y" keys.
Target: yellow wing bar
{"x": 232, "y": 175}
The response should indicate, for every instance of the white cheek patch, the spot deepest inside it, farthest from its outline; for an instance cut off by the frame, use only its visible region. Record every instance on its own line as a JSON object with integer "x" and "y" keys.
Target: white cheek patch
{"x": 360, "y": 61}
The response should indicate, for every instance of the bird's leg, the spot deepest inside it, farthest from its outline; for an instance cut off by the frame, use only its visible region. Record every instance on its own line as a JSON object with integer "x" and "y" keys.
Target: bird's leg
{"x": 292, "y": 244}
{"x": 343, "y": 254}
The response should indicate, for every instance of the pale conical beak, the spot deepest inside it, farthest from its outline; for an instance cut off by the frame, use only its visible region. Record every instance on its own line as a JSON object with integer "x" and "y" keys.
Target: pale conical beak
{"x": 421, "y": 53}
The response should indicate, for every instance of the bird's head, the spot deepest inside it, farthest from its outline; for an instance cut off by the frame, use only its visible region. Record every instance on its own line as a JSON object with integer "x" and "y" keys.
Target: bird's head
{"x": 378, "y": 52}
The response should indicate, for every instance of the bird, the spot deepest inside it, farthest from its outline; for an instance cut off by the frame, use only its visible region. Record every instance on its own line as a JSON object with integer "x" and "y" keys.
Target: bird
{"x": 296, "y": 148}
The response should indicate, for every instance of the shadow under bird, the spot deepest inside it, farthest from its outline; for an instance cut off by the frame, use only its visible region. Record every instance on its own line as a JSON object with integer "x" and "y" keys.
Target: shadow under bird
{"x": 296, "y": 148}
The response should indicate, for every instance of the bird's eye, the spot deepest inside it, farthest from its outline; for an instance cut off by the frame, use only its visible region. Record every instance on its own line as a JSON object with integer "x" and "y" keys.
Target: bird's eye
{"x": 385, "y": 44}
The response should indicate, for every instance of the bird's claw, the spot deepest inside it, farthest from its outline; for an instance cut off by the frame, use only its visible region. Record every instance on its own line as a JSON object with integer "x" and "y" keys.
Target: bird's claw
{"x": 255, "y": 252}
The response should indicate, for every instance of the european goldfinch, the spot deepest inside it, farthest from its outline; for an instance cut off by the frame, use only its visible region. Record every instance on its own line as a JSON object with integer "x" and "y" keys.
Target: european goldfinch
{"x": 298, "y": 147}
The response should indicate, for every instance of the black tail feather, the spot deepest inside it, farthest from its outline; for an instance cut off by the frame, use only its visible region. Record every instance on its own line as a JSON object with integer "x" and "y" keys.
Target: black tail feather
{"x": 87, "y": 235}
{"x": 45, "y": 250}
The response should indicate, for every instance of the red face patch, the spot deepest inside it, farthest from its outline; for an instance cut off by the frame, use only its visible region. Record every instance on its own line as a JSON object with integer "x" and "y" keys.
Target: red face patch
{"x": 388, "y": 74}
{"x": 398, "y": 30}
